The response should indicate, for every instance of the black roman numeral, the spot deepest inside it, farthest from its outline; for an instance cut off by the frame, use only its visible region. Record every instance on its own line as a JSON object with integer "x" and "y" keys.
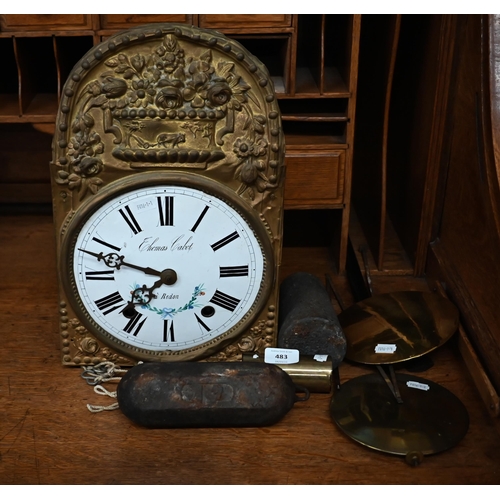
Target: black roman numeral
{"x": 133, "y": 326}
{"x": 100, "y": 275}
{"x": 201, "y": 323}
{"x": 200, "y": 218}
{"x": 166, "y": 212}
{"x": 106, "y": 244}
{"x": 130, "y": 219}
{"x": 225, "y": 301}
{"x": 109, "y": 303}
{"x": 168, "y": 331}
{"x": 231, "y": 271}
{"x": 224, "y": 241}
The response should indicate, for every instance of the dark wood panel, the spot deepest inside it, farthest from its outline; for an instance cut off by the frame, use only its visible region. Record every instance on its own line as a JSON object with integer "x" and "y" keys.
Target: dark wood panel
{"x": 419, "y": 66}
{"x": 314, "y": 179}
{"x": 245, "y": 20}
{"x": 468, "y": 237}
{"x": 36, "y": 22}
{"x": 111, "y": 21}
{"x": 24, "y": 164}
{"x": 379, "y": 33}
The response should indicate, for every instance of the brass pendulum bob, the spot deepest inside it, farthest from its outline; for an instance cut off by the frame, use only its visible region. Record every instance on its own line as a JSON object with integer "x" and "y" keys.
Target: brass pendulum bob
{"x": 391, "y": 412}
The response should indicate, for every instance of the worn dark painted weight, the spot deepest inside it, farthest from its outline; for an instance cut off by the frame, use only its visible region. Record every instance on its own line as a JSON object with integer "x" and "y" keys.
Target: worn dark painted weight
{"x": 308, "y": 321}
{"x": 184, "y": 394}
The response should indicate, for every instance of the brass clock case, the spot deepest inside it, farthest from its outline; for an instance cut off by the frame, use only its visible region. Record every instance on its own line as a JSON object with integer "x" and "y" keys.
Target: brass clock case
{"x": 146, "y": 180}
{"x": 175, "y": 104}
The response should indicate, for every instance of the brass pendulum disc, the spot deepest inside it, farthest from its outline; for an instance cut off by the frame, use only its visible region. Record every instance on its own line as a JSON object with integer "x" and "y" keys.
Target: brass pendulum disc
{"x": 396, "y": 327}
{"x": 431, "y": 419}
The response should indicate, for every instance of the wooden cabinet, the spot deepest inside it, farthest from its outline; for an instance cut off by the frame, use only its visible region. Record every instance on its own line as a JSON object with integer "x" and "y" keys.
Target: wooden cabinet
{"x": 312, "y": 60}
{"x": 124, "y": 21}
{"x": 239, "y": 21}
{"x": 315, "y": 180}
{"x": 41, "y": 22}
{"x": 425, "y": 183}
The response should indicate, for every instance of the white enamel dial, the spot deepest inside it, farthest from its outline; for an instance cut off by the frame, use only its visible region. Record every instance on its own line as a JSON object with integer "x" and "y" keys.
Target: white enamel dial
{"x": 166, "y": 267}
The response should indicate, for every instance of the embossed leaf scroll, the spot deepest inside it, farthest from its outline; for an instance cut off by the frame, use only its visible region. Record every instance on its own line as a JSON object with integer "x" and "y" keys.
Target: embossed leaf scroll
{"x": 170, "y": 95}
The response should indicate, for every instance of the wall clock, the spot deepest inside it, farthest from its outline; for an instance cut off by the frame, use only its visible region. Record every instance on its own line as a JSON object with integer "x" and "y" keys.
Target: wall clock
{"x": 167, "y": 180}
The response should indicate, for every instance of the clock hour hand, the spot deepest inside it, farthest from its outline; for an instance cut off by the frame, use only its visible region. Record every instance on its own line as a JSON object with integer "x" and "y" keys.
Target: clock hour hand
{"x": 143, "y": 295}
{"x": 114, "y": 260}
{"x": 167, "y": 277}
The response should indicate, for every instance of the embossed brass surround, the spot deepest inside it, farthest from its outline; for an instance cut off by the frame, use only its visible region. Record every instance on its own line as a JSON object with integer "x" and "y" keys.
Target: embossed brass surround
{"x": 175, "y": 100}
{"x": 158, "y": 179}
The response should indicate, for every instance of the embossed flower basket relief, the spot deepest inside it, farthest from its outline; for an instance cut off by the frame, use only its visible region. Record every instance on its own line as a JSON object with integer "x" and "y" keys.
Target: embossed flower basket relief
{"x": 174, "y": 100}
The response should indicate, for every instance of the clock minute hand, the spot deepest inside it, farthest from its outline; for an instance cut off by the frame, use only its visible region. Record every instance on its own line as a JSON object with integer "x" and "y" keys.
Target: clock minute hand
{"x": 114, "y": 260}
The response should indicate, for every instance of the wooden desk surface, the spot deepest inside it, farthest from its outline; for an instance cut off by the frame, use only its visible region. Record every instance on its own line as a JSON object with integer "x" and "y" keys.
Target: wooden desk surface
{"x": 47, "y": 435}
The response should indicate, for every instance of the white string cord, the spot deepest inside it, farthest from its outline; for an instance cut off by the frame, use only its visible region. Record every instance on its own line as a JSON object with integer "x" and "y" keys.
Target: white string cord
{"x": 99, "y": 389}
{"x": 101, "y": 373}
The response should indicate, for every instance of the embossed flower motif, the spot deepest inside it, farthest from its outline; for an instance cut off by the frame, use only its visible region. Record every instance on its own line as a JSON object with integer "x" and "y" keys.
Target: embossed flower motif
{"x": 138, "y": 62}
{"x": 246, "y": 344}
{"x": 88, "y": 167}
{"x": 193, "y": 92}
{"x": 172, "y": 56}
{"x": 89, "y": 345}
{"x": 82, "y": 144}
{"x": 196, "y": 88}
{"x": 219, "y": 93}
{"x": 244, "y": 147}
{"x": 107, "y": 355}
{"x": 169, "y": 97}
{"x": 114, "y": 87}
{"x": 142, "y": 93}
{"x": 81, "y": 330}
{"x": 249, "y": 172}
{"x": 240, "y": 90}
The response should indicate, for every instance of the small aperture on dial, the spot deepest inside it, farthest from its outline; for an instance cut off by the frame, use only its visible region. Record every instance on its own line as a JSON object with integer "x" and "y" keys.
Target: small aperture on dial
{"x": 207, "y": 311}
{"x": 129, "y": 311}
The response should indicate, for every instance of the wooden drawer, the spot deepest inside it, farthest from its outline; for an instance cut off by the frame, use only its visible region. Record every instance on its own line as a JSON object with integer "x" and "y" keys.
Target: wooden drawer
{"x": 39, "y": 22}
{"x": 239, "y": 21}
{"x": 111, "y": 21}
{"x": 314, "y": 180}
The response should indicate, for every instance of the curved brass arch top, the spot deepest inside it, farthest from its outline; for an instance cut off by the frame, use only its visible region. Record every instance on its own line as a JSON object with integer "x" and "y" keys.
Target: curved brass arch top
{"x": 168, "y": 95}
